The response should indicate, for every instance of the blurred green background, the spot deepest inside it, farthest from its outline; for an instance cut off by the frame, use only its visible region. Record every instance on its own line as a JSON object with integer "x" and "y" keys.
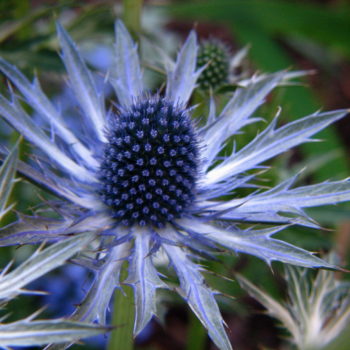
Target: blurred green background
{"x": 308, "y": 35}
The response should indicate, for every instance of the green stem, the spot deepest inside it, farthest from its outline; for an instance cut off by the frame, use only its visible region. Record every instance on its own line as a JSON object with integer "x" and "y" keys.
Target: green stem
{"x": 132, "y": 16}
{"x": 197, "y": 334}
{"x": 123, "y": 317}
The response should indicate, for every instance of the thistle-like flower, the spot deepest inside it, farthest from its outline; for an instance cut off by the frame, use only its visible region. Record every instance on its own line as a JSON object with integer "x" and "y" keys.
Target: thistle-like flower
{"x": 216, "y": 55}
{"x": 220, "y": 67}
{"x": 145, "y": 178}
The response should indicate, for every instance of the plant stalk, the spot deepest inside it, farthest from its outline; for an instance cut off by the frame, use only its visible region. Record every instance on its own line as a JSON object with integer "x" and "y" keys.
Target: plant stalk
{"x": 132, "y": 16}
{"x": 123, "y": 317}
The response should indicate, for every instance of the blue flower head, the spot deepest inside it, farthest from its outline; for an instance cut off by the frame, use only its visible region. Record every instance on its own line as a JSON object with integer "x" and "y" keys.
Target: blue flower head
{"x": 145, "y": 178}
{"x": 150, "y": 163}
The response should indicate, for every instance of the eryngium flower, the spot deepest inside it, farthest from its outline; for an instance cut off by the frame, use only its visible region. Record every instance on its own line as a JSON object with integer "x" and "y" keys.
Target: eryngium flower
{"x": 150, "y": 164}
{"x": 216, "y": 56}
{"x": 146, "y": 179}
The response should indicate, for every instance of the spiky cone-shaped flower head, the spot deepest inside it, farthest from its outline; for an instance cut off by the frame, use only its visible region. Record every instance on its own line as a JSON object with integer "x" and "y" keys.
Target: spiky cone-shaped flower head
{"x": 145, "y": 179}
{"x": 150, "y": 163}
{"x": 215, "y": 55}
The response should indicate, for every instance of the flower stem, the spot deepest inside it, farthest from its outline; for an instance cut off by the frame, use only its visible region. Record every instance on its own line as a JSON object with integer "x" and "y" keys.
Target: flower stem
{"x": 197, "y": 334}
{"x": 123, "y": 317}
{"x": 132, "y": 16}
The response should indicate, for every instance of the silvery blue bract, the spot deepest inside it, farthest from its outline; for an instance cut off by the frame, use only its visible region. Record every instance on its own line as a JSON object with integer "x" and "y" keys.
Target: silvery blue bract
{"x": 131, "y": 190}
{"x": 317, "y": 309}
{"x": 29, "y": 331}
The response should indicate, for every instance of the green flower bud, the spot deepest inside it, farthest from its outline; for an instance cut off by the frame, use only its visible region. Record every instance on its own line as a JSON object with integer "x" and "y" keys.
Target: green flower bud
{"x": 215, "y": 54}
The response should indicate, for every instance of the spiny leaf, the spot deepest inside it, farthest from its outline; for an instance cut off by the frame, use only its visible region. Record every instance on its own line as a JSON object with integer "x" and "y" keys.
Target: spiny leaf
{"x": 82, "y": 83}
{"x": 282, "y": 199}
{"x": 33, "y": 230}
{"x": 40, "y": 102}
{"x": 198, "y": 295}
{"x": 258, "y": 243}
{"x": 19, "y": 119}
{"x": 126, "y": 75}
{"x": 53, "y": 183}
{"x": 272, "y": 142}
{"x": 143, "y": 277}
{"x": 38, "y": 229}
{"x": 95, "y": 305}
{"x": 7, "y": 173}
{"x": 274, "y": 307}
{"x": 40, "y": 263}
{"x": 182, "y": 78}
{"x": 238, "y": 111}
{"x": 41, "y": 332}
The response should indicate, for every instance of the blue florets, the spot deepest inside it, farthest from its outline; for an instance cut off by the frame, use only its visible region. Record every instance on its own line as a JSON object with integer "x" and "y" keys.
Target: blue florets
{"x": 150, "y": 163}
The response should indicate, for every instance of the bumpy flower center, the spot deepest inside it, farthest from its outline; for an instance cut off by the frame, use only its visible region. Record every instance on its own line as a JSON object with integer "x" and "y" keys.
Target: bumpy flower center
{"x": 216, "y": 54}
{"x": 149, "y": 170}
